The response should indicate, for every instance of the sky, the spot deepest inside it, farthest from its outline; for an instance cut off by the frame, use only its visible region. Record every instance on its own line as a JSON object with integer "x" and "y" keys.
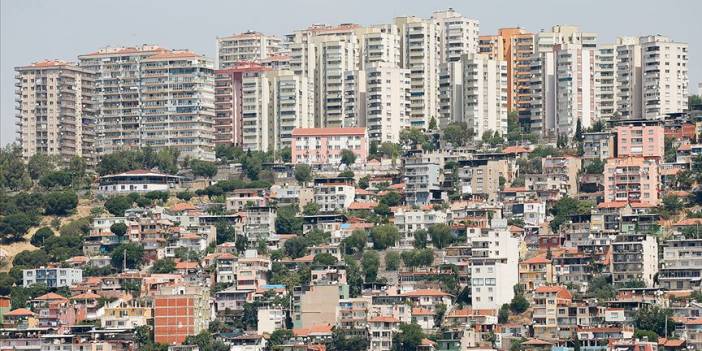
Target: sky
{"x": 33, "y": 30}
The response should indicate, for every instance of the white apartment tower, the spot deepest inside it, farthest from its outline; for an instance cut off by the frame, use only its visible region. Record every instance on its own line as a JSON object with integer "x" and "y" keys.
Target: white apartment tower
{"x": 274, "y": 103}
{"x": 336, "y": 56}
{"x": 474, "y": 91}
{"x": 494, "y": 265}
{"x": 605, "y": 81}
{"x": 387, "y": 102}
{"x": 247, "y": 46}
{"x": 153, "y": 96}
{"x": 55, "y": 111}
{"x": 663, "y": 76}
{"x": 459, "y": 35}
{"x": 575, "y": 87}
{"x": 421, "y": 52}
{"x": 628, "y": 78}
{"x": 381, "y": 44}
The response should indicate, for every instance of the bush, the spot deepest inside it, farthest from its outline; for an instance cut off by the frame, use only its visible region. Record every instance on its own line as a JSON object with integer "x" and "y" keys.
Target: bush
{"x": 392, "y": 261}
{"x": 118, "y": 229}
{"x": 203, "y": 168}
{"x": 118, "y": 204}
{"x": 13, "y": 227}
{"x": 384, "y": 236}
{"x": 184, "y": 195}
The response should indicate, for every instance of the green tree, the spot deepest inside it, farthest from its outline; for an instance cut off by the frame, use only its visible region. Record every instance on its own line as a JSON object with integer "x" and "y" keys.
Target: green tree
{"x": 421, "y": 238}
{"x": 519, "y": 304}
{"x": 354, "y": 276}
{"x": 60, "y": 203}
{"x": 225, "y": 232}
{"x": 14, "y": 226}
{"x": 670, "y": 152}
{"x": 391, "y": 198}
{"x": 384, "y": 236}
{"x": 166, "y": 265}
{"x": 409, "y": 337}
{"x": 41, "y": 235}
{"x": 6, "y": 283}
{"x": 206, "y": 342}
{"x": 303, "y": 173}
{"x": 595, "y": 166}
{"x": 279, "y": 337}
{"x": 286, "y": 154}
{"x": 40, "y": 164}
{"x": 441, "y": 235}
{"x": 13, "y": 173}
{"x": 56, "y": 179}
{"x": 325, "y": 259}
{"x": 566, "y": 207}
{"x": 356, "y": 242}
{"x": 363, "y": 182}
{"x": 346, "y": 174}
{"x": 432, "y": 124}
{"x": 311, "y": 208}
{"x": 456, "y": 133}
{"x": 296, "y": 247}
{"x": 413, "y": 137}
{"x": 134, "y": 255}
{"x": 370, "y": 264}
{"x": 116, "y": 205}
{"x": 184, "y": 195}
{"x": 392, "y": 261}
{"x": 203, "y": 168}
{"x": 118, "y": 229}
{"x": 348, "y": 157}
{"x": 655, "y": 319}
{"x": 503, "y": 314}
{"x": 287, "y": 222}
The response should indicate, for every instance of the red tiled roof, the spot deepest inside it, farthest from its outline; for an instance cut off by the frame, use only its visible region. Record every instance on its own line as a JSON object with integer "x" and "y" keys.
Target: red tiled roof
{"x": 514, "y": 190}
{"x": 327, "y": 131}
{"x": 313, "y": 330}
{"x": 612, "y": 204}
{"x": 559, "y": 290}
{"x": 537, "y": 260}
{"x": 19, "y": 312}
{"x": 536, "y": 342}
{"x": 384, "y": 319}
{"x": 86, "y": 296}
{"x": 186, "y": 265}
{"x": 173, "y": 55}
{"x": 50, "y": 296}
{"x": 357, "y": 205}
{"x": 688, "y": 222}
{"x": 425, "y": 292}
{"x": 421, "y": 312}
{"x": 516, "y": 149}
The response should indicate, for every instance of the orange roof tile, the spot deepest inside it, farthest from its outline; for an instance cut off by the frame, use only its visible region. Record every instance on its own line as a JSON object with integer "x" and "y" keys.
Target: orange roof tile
{"x": 19, "y": 312}
{"x": 425, "y": 292}
{"x": 537, "y": 260}
{"x": 50, "y": 296}
{"x": 327, "y": 131}
{"x": 612, "y": 204}
{"x": 86, "y": 296}
{"x": 383, "y": 319}
{"x": 313, "y": 330}
{"x": 357, "y": 205}
{"x": 186, "y": 265}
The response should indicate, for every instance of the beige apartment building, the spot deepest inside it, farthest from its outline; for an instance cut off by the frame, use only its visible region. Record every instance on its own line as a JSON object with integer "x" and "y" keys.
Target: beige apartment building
{"x": 248, "y": 46}
{"x": 55, "y": 112}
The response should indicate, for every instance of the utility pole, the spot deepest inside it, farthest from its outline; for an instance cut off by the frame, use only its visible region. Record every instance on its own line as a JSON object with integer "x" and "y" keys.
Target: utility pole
{"x": 124, "y": 259}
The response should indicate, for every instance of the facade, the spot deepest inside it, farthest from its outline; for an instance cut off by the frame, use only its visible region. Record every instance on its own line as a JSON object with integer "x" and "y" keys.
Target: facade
{"x": 459, "y": 35}
{"x": 482, "y": 176}
{"x": 137, "y": 181}
{"x": 334, "y": 194}
{"x": 387, "y": 102}
{"x": 52, "y": 277}
{"x": 246, "y": 47}
{"x": 663, "y": 76}
{"x": 229, "y": 102}
{"x": 631, "y": 179}
{"x": 598, "y": 145}
{"x": 408, "y": 221}
{"x": 324, "y": 145}
{"x": 629, "y": 76}
{"x": 681, "y": 268}
{"x": 179, "y": 312}
{"x": 55, "y": 111}
{"x": 575, "y": 88}
{"x": 640, "y": 141}
{"x": 635, "y": 257}
{"x": 124, "y": 314}
{"x": 494, "y": 266}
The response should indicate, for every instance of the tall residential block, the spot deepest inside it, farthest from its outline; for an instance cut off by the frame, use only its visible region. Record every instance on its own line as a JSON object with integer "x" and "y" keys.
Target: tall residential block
{"x": 247, "y": 46}
{"x": 179, "y": 312}
{"x": 387, "y": 102}
{"x": 574, "y": 88}
{"x": 628, "y": 78}
{"x": 459, "y": 35}
{"x": 631, "y": 179}
{"x": 474, "y": 91}
{"x": 55, "y": 111}
{"x": 516, "y": 47}
{"x": 229, "y": 101}
{"x": 663, "y": 76}
{"x": 150, "y": 96}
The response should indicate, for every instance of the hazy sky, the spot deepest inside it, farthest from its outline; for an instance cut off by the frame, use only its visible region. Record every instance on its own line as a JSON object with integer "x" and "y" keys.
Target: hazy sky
{"x": 32, "y": 30}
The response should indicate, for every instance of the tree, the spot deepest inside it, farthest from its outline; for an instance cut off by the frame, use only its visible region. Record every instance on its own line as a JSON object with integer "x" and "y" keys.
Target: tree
{"x": 206, "y": 342}
{"x": 503, "y": 314}
{"x": 655, "y": 319}
{"x": 348, "y": 157}
{"x": 203, "y": 168}
{"x": 6, "y": 283}
{"x": 670, "y": 152}
{"x": 441, "y": 235}
{"x": 566, "y": 207}
{"x": 41, "y": 235}
{"x": 578, "y": 137}
{"x": 325, "y": 259}
{"x": 601, "y": 288}
{"x": 296, "y": 247}
{"x": 456, "y": 133}
{"x": 356, "y": 242}
{"x": 409, "y": 337}
{"x": 166, "y": 265}
{"x": 412, "y": 137}
{"x": 347, "y": 174}
{"x": 432, "y": 124}
{"x": 279, "y": 337}
{"x": 39, "y": 165}
{"x": 134, "y": 255}
{"x": 287, "y": 222}
{"x": 391, "y": 198}
{"x": 60, "y": 203}
{"x": 317, "y": 237}
{"x": 14, "y": 226}
{"x": 519, "y": 304}
{"x": 184, "y": 195}
{"x": 392, "y": 261}
{"x": 303, "y": 173}
{"x": 421, "y": 238}
{"x": 370, "y": 264}
{"x": 13, "y": 172}
{"x": 672, "y": 204}
{"x": 595, "y": 166}
{"x": 363, "y": 182}
{"x": 384, "y": 236}
{"x": 418, "y": 258}
{"x": 343, "y": 342}
{"x": 118, "y": 229}
{"x": 225, "y": 232}
{"x": 116, "y": 205}
{"x": 56, "y": 179}
{"x": 311, "y": 208}
{"x": 285, "y": 154}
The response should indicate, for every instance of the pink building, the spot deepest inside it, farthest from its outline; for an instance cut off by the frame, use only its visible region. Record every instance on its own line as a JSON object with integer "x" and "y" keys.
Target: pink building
{"x": 324, "y": 145}
{"x": 228, "y": 101}
{"x": 640, "y": 141}
{"x": 631, "y": 179}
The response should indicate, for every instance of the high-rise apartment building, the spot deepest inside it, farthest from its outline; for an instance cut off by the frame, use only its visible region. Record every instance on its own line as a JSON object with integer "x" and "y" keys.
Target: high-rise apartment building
{"x": 336, "y": 56}
{"x": 474, "y": 91}
{"x": 229, "y": 102}
{"x": 421, "y": 52}
{"x": 605, "y": 79}
{"x": 628, "y": 78}
{"x": 274, "y": 103}
{"x": 150, "y": 96}
{"x": 247, "y": 46}
{"x": 179, "y": 312}
{"x": 663, "y": 76}
{"x": 631, "y": 179}
{"x": 575, "y": 88}
{"x": 458, "y": 34}
{"x": 55, "y": 111}
{"x": 543, "y": 87}
{"x": 387, "y": 102}
{"x": 381, "y": 44}
{"x": 516, "y": 47}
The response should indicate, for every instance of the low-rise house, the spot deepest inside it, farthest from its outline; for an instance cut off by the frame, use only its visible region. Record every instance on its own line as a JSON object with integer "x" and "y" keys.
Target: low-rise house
{"x": 52, "y": 277}
{"x": 243, "y": 198}
{"x": 127, "y": 314}
{"x": 535, "y": 272}
{"x": 381, "y": 330}
{"x": 138, "y": 181}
